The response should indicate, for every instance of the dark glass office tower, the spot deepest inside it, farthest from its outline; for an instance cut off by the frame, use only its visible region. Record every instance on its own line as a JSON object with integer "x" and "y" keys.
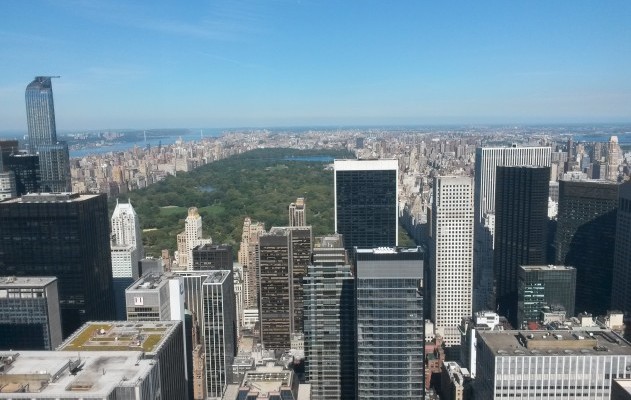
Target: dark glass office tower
{"x": 585, "y": 239}
{"x": 390, "y": 324}
{"x": 544, "y": 285}
{"x": 366, "y": 211}
{"x": 521, "y": 220}
{"x": 27, "y": 172}
{"x": 212, "y": 257}
{"x": 621, "y": 288}
{"x": 42, "y": 133}
{"x": 330, "y": 322}
{"x": 67, "y": 236}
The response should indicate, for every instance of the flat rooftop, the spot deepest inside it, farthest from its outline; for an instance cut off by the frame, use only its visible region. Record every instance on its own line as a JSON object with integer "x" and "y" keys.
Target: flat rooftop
{"x": 546, "y": 268}
{"x": 267, "y": 379}
{"x": 366, "y": 165}
{"x": 557, "y": 342}
{"x": 120, "y": 336}
{"x": 8, "y": 282}
{"x": 66, "y": 197}
{"x": 65, "y": 374}
{"x": 152, "y": 281}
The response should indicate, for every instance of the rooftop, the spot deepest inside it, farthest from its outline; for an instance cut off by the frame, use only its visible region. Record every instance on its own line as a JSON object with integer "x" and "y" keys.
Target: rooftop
{"x": 269, "y": 378}
{"x": 61, "y": 374}
{"x": 546, "y": 268}
{"x": 152, "y": 281}
{"x": 120, "y": 336}
{"x": 51, "y": 198}
{"x": 558, "y": 342}
{"x": 366, "y": 165}
{"x": 25, "y": 282}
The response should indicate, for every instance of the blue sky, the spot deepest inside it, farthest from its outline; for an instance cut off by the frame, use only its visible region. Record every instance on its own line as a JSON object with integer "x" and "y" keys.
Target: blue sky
{"x": 229, "y": 63}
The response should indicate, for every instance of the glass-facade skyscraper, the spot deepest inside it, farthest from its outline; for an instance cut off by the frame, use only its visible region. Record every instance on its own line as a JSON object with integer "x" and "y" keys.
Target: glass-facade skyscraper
{"x": 390, "y": 324}
{"x": 67, "y": 236}
{"x": 42, "y": 133}
{"x": 521, "y": 222}
{"x": 586, "y": 238}
{"x": 544, "y": 285}
{"x": 366, "y": 211}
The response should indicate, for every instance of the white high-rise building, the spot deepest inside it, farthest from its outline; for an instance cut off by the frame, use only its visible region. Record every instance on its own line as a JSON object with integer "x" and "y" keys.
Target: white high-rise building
{"x": 298, "y": 212}
{"x": 127, "y": 251}
{"x": 487, "y": 159}
{"x": 451, "y": 266}
{"x": 7, "y": 184}
{"x": 126, "y": 227}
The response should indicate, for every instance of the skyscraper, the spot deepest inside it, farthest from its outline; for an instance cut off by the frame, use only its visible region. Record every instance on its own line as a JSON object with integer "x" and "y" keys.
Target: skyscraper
{"x": 190, "y": 238}
{"x": 29, "y": 313}
{"x": 521, "y": 206}
{"x": 212, "y": 257}
{"x": 67, "y": 236}
{"x": 487, "y": 159}
{"x": 298, "y": 212}
{"x": 42, "y": 132}
{"x": 621, "y": 290}
{"x": 390, "y": 325}
{"x": 127, "y": 251}
{"x": 366, "y": 202}
{"x": 248, "y": 258}
{"x": 544, "y": 285}
{"x": 451, "y": 266}
{"x": 126, "y": 227}
{"x": 330, "y": 322}
{"x": 27, "y": 172}
{"x": 220, "y": 330}
{"x": 585, "y": 239}
{"x": 284, "y": 256}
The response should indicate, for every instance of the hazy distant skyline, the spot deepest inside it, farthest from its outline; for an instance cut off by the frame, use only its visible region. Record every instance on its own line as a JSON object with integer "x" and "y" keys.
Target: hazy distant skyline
{"x": 229, "y": 63}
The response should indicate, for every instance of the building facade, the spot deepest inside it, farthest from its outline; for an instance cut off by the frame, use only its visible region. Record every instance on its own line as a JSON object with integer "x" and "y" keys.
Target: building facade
{"x": 451, "y": 266}
{"x": 60, "y": 235}
{"x": 390, "y": 325}
{"x": 29, "y": 313}
{"x": 585, "y": 239}
{"x": 298, "y": 212}
{"x": 212, "y": 257}
{"x": 248, "y": 257}
{"x": 487, "y": 159}
{"x": 621, "y": 288}
{"x": 27, "y": 172}
{"x": 366, "y": 202}
{"x": 329, "y": 322}
{"x": 544, "y": 285}
{"x": 521, "y": 223}
{"x": 550, "y": 364}
{"x": 42, "y": 133}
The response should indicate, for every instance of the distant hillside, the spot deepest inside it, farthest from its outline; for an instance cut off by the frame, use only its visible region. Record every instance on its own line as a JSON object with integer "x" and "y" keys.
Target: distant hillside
{"x": 259, "y": 184}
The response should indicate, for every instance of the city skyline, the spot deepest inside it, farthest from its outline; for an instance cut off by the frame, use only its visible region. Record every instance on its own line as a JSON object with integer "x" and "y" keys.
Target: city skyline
{"x": 234, "y": 64}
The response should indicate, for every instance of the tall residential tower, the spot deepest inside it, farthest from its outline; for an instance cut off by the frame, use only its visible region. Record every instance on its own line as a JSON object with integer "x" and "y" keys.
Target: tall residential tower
{"x": 54, "y": 158}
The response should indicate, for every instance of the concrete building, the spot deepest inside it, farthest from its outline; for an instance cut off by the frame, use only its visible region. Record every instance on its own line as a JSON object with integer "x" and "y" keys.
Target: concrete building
{"x": 550, "y": 364}
{"x": 155, "y": 297}
{"x": 521, "y": 229}
{"x": 366, "y": 202}
{"x": 59, "y": 234}
{"x": 329, "y": 322}
{"x": 248, "y": 257}
{"x": 585, "y": 239}
{"x": 389, "y": 304}
{"x": 126, "y": 227}
{"x": 544, "y": 285}
{"x": 451, "y": 252}
{"x": 160, "y": 341}
{"x": 298, "y": 212}
{"x": 107, "y": 375}
{"x": 621, "y": 288}
{"x": 29, "y": 313}
{"x": 268, "y": 382}
{"x": 284, "y": 254}
{"x": 453, "y": 381}
{"x": 8, "y": 188}
{"x": 481, "y": 321}
{"x": 189, "y": 239}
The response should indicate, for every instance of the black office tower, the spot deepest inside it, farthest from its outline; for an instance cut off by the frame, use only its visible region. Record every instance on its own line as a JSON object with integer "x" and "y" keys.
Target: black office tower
{"x": 207, "y": 257}
{"x": 26, "y": 170}
{"x": 585, "y": 239}
{"x": 366, "y": 211}
{"x": 521, "y": 218}
{"x": 67, "y": 236}
{"x": 621, "y": 290}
